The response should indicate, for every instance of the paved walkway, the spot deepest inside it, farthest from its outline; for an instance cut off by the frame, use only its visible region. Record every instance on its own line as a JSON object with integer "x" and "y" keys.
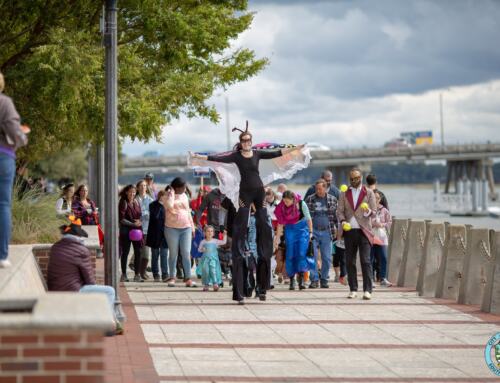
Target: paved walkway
{"x": 297, "y": 336}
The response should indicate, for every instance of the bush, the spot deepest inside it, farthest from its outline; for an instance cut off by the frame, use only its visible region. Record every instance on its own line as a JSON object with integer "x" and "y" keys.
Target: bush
{"x": 34, "y": 217}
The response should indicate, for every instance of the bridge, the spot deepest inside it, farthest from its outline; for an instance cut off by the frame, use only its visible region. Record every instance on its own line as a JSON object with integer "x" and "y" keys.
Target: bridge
{"x": 471, "y": 161}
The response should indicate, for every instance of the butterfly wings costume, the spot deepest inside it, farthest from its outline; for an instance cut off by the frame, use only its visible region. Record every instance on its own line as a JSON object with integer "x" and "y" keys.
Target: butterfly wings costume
{"x": 242, "y": 180}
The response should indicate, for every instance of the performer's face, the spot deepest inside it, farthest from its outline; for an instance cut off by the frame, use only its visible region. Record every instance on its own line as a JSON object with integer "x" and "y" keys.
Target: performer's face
{"x": 246, "y": 142}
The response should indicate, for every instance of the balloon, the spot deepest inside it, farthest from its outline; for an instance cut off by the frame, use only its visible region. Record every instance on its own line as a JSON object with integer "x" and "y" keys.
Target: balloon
{"x": 346, "y": 226}
{"x": 365, "y": 206}
{"x": 343, "y": 188}
{"x": 135, "y": 235}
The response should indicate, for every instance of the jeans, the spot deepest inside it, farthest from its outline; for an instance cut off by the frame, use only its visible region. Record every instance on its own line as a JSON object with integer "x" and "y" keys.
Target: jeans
{"x": 379, "y": 261}
{"x": 313, "y": 271}
{"x": 161, "y": 253}
{"x": 324, "y": 240}
{"x": 179, "y": 240}
{"x": 7, "y": 171}
{"x": 125, "y": 243}
{"x": 102, "y": 289}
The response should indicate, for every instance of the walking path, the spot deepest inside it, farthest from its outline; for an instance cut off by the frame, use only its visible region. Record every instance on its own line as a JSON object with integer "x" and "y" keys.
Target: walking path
{"x": 297, "y": 336}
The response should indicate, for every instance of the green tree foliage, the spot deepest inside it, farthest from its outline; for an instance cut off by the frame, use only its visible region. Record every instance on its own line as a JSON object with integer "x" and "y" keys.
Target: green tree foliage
{"x": 173, "y": 55}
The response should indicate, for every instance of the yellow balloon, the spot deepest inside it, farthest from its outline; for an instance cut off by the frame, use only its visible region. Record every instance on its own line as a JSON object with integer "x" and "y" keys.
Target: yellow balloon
{"x": 343, "y": 188}
{"x": 365, "y": 206}
{"x": 346, "y": 226}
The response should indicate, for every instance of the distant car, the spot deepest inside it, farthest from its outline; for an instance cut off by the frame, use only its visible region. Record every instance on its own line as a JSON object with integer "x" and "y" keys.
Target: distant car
{"x": 315, "y": 147}
{"x": 397, "y": 143}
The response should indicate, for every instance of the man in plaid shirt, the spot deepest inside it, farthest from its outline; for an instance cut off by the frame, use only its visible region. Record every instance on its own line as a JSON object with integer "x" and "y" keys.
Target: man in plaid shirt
{"x": 323, "y": 208}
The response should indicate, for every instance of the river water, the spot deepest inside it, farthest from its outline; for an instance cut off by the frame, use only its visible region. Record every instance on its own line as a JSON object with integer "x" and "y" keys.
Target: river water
{"x": 416, "y": 202}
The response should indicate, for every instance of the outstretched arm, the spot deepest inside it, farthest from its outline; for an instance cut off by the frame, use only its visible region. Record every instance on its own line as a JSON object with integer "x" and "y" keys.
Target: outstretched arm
{"x": 226, "y": 158}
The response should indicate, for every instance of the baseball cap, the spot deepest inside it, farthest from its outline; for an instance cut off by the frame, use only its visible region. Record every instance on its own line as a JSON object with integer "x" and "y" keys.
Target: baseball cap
{"x": 149, "y": 175}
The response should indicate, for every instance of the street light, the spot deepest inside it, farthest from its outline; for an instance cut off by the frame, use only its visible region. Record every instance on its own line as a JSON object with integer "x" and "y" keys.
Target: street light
{"x": 441, "y": 114}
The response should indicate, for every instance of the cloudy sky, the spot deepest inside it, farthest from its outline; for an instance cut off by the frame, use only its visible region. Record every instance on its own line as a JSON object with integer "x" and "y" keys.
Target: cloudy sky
{"x": 357, "y": 73}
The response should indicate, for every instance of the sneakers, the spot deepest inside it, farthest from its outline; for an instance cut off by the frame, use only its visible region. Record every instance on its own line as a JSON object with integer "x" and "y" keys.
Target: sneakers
{"x": 336, "y": 279}
{"x": 352, "y": 295}
{"x": 171, "y": 282}
{"x": 343, "y": 281}
{"x": 190, "y": 283}
{"x": 124, "y": 278}
{"x": 5, "y": 263}
{"x": 367, "y": 296}
{"x": 324, "y": 285}
{"x": 262, "y": 297}
{"x": 216, "y": 287}
{"x": 205, "y": 288}
{"x": 385, "y": 283}
{"x": 137, "y": 278}
{"x": 164, "y": 279}
{"x": 242, "y": 302}
{"x": 280, "y": 279}
{"x": 118, "y": 328}
{"x": 313, "y": 285}
{"x": 157, "y": 278}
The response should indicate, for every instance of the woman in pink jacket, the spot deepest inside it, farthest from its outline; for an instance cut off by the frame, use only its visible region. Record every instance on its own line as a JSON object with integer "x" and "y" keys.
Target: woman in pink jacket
{"x": 179, "y": 230}
{"x": 381, "y": 224}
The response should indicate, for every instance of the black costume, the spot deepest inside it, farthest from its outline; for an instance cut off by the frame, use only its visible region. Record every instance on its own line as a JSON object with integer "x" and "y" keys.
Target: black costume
{"x": 251, "y": 191}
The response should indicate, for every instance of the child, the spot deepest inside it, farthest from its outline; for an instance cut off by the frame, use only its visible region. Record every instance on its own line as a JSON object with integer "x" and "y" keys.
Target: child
{"x": 209, "y": 263}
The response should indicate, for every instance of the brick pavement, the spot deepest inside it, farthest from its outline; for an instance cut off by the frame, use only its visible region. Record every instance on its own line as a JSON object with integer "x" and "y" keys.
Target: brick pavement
{"x": 187, "y": 335}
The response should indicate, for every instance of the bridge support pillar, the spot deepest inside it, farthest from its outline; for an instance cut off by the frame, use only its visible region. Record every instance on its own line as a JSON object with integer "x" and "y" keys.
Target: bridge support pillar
{"x": 470, "y": 169}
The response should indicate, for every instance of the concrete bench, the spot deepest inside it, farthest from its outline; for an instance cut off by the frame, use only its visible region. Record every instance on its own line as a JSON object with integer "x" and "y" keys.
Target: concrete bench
{"x": 45, "y": 334}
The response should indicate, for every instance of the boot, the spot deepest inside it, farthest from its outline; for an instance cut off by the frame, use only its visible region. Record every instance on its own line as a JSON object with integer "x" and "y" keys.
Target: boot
{"x": 292, "y": 283}
{"x": 144, "y": 265}
{"x": 300, "y": 280}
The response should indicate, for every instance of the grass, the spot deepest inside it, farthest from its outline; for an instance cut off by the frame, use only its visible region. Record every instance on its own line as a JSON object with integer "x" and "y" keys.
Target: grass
{"x": 34, "y": 217}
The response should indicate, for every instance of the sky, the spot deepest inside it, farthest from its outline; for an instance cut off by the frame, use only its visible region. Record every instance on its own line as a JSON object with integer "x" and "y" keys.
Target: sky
{"x": 357, "y": 73}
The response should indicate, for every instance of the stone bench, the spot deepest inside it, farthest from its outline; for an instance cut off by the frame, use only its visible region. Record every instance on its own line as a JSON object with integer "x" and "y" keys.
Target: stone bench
{"x": 48, "y": 336}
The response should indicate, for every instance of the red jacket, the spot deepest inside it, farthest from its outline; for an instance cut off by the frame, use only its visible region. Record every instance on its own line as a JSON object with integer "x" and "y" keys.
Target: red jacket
{"x": 70, "y": 267}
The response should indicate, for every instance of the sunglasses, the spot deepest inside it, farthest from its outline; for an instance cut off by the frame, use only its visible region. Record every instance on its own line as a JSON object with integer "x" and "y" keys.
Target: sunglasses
{"x": 355, "y": 178}
{"x": 245, "y": 141}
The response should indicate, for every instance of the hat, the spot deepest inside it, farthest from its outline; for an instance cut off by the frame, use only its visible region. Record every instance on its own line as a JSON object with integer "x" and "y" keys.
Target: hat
{"x": 149, "y": 175}
{"x": 74, "y": 228}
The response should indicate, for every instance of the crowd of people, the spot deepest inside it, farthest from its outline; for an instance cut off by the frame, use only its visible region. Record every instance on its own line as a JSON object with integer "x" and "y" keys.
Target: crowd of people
{"x": 174, "y": 233}
{"x": 239, "y": 232}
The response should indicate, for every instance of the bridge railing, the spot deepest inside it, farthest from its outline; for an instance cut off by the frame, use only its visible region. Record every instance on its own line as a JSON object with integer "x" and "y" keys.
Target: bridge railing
{"x": 336, "y": 155}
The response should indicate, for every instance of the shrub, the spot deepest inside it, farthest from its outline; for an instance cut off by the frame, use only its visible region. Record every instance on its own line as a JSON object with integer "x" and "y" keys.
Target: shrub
{"x": 34, "y": 217}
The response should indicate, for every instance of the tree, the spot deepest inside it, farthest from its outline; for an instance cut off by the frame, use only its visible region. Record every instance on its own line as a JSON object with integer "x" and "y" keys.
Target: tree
{"x": 173, "y": 55}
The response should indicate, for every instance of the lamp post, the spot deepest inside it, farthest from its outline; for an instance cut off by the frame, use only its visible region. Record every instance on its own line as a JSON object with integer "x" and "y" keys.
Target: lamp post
{"x": 111, "y": 152}
{"x": 441, "y": 119}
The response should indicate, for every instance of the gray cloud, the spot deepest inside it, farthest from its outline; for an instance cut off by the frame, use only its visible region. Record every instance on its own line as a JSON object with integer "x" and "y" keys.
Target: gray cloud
{"x": 355, "y": 73}
{"x": 366, "y": 49}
